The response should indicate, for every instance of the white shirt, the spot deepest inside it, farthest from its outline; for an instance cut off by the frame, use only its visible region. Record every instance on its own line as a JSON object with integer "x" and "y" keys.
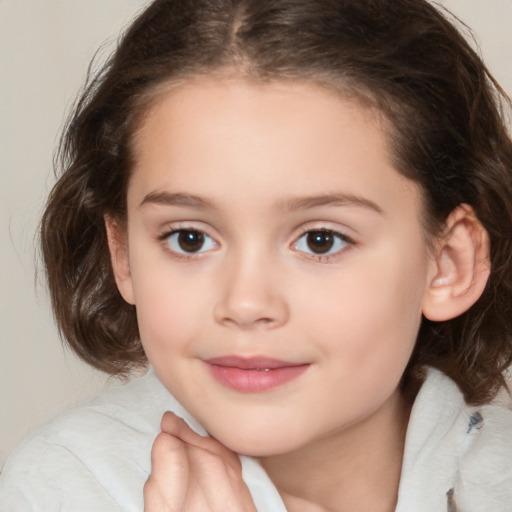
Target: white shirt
{"x": 96, "y": 456}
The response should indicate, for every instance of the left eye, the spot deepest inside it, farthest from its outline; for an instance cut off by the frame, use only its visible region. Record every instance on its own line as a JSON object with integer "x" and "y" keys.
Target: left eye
{"x": 320, "y": 242}
{"x": 189, "y": 241}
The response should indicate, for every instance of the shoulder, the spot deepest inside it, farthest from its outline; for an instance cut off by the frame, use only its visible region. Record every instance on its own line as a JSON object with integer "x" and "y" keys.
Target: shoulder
{"x": 485, "y": 468}
{"x": 95, "y": 456}
{"x": 456, "y": 447}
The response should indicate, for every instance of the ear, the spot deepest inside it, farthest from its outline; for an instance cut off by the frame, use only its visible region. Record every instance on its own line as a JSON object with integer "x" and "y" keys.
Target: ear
{"x": 118, "y": 247}
{"x": 462, "y": 267}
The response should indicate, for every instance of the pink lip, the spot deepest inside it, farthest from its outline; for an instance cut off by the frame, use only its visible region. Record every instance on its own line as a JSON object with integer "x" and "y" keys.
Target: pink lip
{"x": 253, "y": 374}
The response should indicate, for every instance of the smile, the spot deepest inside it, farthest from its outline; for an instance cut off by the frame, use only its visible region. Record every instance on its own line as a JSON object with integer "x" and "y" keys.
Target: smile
{"x": 253, "y": 375}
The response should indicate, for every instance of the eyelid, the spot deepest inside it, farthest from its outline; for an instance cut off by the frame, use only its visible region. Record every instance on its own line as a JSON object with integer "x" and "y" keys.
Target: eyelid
{"x": 347, "y": 233}
{"x": 180, "y": 225}
{"x": 208, "y": 243}
{"x": 176, "y": 227}
{"x": 327, "y": 227}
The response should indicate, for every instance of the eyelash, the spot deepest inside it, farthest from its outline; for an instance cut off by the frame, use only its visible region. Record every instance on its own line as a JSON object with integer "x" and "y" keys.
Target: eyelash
{"x": 316, "y": 257}
{"x": 184, "y": 256}
{"x": 325, "y": 258}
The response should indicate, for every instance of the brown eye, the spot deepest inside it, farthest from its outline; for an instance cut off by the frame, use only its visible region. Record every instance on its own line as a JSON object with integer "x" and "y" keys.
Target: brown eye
{"x": 320, "y": 242}
{"x": 188, "y": 241}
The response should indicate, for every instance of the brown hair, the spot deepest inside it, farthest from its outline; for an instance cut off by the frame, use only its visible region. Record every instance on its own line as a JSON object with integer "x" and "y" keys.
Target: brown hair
{"x": 447, "y": 134}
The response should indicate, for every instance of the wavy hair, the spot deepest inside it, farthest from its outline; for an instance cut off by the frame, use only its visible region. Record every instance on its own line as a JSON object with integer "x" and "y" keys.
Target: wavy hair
{"x": 448, "y": 133}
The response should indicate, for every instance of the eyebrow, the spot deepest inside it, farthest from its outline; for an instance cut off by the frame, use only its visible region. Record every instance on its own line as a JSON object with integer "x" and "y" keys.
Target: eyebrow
{"x": 177, "y": 199}
{"x": 293, "y": 204}
{"x": 305, "y": 203}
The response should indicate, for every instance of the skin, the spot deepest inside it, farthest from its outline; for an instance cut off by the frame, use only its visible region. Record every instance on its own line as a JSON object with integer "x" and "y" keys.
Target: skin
{"x": 255, "y": 155}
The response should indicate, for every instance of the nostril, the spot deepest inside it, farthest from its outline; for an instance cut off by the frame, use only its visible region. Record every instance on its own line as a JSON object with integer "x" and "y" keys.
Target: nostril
{"x": 248, "y": 322}
{"x": 251, "y": 317}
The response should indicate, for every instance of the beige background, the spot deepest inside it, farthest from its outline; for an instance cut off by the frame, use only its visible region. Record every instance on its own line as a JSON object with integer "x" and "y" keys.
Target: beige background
{"x": 45, "y": 47}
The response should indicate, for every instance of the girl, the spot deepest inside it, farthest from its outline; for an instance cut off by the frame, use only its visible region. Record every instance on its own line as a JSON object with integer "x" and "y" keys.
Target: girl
{"x": 297, "y": 214}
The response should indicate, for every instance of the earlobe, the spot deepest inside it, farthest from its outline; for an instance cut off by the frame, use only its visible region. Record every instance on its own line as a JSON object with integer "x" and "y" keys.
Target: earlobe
{"x": 462, "y": 267}
{"x": 117, "y": 244}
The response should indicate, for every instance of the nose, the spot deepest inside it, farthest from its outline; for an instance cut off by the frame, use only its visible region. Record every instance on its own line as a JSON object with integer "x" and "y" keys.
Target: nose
{"x": 252, "y": 296}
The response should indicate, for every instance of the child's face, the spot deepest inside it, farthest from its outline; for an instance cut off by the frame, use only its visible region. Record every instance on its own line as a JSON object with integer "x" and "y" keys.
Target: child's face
{"x": 300, "y": 247}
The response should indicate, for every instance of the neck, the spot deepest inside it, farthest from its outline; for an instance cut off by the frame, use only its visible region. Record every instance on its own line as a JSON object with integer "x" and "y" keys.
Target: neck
{"x": 357, "y": 468}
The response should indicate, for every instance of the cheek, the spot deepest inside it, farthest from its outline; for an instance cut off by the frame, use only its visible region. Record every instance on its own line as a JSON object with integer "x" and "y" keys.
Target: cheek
{"x": 365, "y": 334}
{"x": 368, "y": 318}
{"x": 170, "y": 312}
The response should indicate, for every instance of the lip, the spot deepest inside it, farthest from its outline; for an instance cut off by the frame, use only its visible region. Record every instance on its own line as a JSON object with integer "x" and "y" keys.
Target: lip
{"x": 253, "y": 374}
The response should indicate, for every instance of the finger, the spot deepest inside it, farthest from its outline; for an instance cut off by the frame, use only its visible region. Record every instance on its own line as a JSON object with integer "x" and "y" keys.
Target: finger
{"x": 167, "y": 452}
{"x": 216, "y": 471}
{"x": 220, "y": 485}
{"x": 177, "y": 427}
{"x": 192, "y": 478}
{"x": 170, "y": 473}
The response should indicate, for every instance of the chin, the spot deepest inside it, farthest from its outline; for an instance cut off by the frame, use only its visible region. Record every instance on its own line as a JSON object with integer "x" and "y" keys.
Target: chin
{"x": 257, "y": 444}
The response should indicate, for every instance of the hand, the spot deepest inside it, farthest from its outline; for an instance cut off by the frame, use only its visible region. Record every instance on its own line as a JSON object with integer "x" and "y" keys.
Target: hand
{"x": 192, "y": 473}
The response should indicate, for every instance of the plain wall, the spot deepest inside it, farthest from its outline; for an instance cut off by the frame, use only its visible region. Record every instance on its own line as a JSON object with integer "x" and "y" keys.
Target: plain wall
{"x": 45, "y": 47}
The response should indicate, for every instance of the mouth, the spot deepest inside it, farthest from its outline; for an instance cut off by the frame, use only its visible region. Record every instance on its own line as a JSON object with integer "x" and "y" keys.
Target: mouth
{"x": 253, "y": 374}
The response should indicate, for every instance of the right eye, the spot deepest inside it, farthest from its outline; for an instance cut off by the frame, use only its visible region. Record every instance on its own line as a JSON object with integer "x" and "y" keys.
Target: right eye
{"x": 320, "y": 242}
{"x": 189, "y": 241}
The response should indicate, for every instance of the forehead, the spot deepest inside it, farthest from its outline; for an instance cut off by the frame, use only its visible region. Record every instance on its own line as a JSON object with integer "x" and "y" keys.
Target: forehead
{"x": 209, "y": 136}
